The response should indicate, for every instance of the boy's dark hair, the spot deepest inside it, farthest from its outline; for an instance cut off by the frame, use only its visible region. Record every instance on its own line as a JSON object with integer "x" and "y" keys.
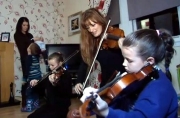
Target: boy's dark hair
{"x": 56, "y": 55}
{"x": 35, "y": 49}
{"x": 20, "y": 22}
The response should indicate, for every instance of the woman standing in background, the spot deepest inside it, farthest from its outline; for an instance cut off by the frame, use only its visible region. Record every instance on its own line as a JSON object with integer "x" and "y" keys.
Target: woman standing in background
{"x": 22, "y": 38}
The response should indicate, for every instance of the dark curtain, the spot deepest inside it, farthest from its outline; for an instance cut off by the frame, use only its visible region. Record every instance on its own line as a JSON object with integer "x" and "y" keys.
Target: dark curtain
{"x": 140, "y": 8}
{"x": 114, "y": 12}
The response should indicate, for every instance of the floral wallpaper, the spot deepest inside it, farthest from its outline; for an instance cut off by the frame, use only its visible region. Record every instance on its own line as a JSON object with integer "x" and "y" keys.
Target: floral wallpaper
{"x": 46, "y": 19}
{"x": 101, "y": 5}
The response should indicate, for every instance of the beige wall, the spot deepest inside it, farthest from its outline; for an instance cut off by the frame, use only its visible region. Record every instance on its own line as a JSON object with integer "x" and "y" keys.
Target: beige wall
{"x": 72, "y": 7}
{"x": 46, "y": 19}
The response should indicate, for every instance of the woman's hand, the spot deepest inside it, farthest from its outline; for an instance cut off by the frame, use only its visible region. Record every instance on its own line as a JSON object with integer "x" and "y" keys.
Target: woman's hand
{"x": 33, "y": 82}
{"x": 101, "y": 106}
{"x": 52, "y": 78}
{"x": 120, "y": 42}
{"x": 38, "y": 38}
{"x": 78, "y": 88}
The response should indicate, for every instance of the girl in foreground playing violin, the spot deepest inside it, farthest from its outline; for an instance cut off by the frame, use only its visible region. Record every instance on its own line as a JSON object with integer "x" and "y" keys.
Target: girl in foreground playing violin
{"x": 58, "y": 93}
{"x": 153, "y": 99}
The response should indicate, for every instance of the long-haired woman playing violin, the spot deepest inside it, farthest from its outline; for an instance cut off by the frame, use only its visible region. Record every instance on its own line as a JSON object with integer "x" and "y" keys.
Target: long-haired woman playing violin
{"x": 93, "y": 25}
{"x": 152, "y": 97}
{"x": 58, "y": 93}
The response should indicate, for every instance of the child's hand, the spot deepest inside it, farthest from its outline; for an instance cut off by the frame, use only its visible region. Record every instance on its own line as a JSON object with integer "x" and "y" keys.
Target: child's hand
{"x": 101, "y": 106}
{"x": 33, "y": 82}
{"x": 52, "y": 78}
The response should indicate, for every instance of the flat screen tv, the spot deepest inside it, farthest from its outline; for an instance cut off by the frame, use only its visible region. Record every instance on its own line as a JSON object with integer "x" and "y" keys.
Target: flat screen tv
{"x": 66, "y": 49}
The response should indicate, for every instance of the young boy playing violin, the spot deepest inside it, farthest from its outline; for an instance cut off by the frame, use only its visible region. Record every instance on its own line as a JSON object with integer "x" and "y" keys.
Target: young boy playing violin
{"x": 154, "y": 95}
{"x": 58, "y": 91}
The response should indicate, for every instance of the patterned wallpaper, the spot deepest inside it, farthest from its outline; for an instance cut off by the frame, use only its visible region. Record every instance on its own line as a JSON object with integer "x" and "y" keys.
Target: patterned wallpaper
{"x": 46, "y": 20}
{"x": 101, "y": 5}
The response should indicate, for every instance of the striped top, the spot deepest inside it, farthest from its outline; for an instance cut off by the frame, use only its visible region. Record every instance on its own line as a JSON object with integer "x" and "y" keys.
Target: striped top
{"x": 33, "y": 68}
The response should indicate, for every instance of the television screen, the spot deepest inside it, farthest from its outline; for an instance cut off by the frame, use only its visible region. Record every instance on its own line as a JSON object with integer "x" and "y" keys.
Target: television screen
{"x": 67, "y": 50}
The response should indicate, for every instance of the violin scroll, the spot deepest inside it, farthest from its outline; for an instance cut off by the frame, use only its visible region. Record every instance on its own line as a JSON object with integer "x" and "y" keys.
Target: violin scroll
{"x": 58, "y": 73}
{"x": 110, "y": 43}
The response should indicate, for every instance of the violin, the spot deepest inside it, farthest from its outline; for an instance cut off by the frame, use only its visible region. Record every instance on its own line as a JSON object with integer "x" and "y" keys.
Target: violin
{"x": 112, "y": 90}
{"x": 110, "y": 43}
{"x": 58, "y": 73}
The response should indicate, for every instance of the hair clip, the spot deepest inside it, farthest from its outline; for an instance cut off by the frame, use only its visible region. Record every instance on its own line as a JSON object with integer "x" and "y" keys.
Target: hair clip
{"x": 158, "y": 32}
{"x": 59, "y": 52}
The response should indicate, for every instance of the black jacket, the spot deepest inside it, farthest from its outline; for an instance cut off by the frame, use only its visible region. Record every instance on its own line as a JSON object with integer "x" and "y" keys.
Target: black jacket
{"x": 58, "y": 96}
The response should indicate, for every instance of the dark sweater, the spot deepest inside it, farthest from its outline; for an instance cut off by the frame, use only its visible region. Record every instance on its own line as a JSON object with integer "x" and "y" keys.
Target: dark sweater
{"x": 110, "y": 60}
{"x": 58, "y": 98}
{"x": 60, "y": 95}
{"x": 23, "y": 41}
{"x": 158, "y": 99}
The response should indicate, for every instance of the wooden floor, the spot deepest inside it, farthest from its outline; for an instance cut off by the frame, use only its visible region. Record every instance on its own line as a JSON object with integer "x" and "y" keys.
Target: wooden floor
{"x": 15, "y": 112}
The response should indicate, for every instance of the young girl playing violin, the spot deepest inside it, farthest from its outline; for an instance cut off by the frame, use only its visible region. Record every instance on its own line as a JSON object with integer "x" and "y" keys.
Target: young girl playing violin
{"x": 154, "y": 96}
{"x": 93, "y": 24}
{"x": 58, "y": 93}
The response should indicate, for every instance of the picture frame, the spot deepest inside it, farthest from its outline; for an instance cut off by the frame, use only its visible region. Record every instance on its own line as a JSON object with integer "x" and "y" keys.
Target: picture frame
{"x": 74, "y": 23}
{"x": 5, "y": 36}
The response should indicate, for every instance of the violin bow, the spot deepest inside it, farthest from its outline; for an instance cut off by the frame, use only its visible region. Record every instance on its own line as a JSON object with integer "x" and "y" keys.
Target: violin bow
{"x": 67, "y": 59}
{"x": 100, "y": 43}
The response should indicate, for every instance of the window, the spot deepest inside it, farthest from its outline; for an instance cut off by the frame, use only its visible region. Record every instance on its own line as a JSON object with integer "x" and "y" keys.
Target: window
{"x": 167, "y": 19}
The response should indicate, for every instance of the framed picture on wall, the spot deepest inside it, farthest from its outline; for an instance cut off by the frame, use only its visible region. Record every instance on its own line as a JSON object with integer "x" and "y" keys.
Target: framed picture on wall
{"x": 5, "y": 36}
{"x": 74, "y": 23}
